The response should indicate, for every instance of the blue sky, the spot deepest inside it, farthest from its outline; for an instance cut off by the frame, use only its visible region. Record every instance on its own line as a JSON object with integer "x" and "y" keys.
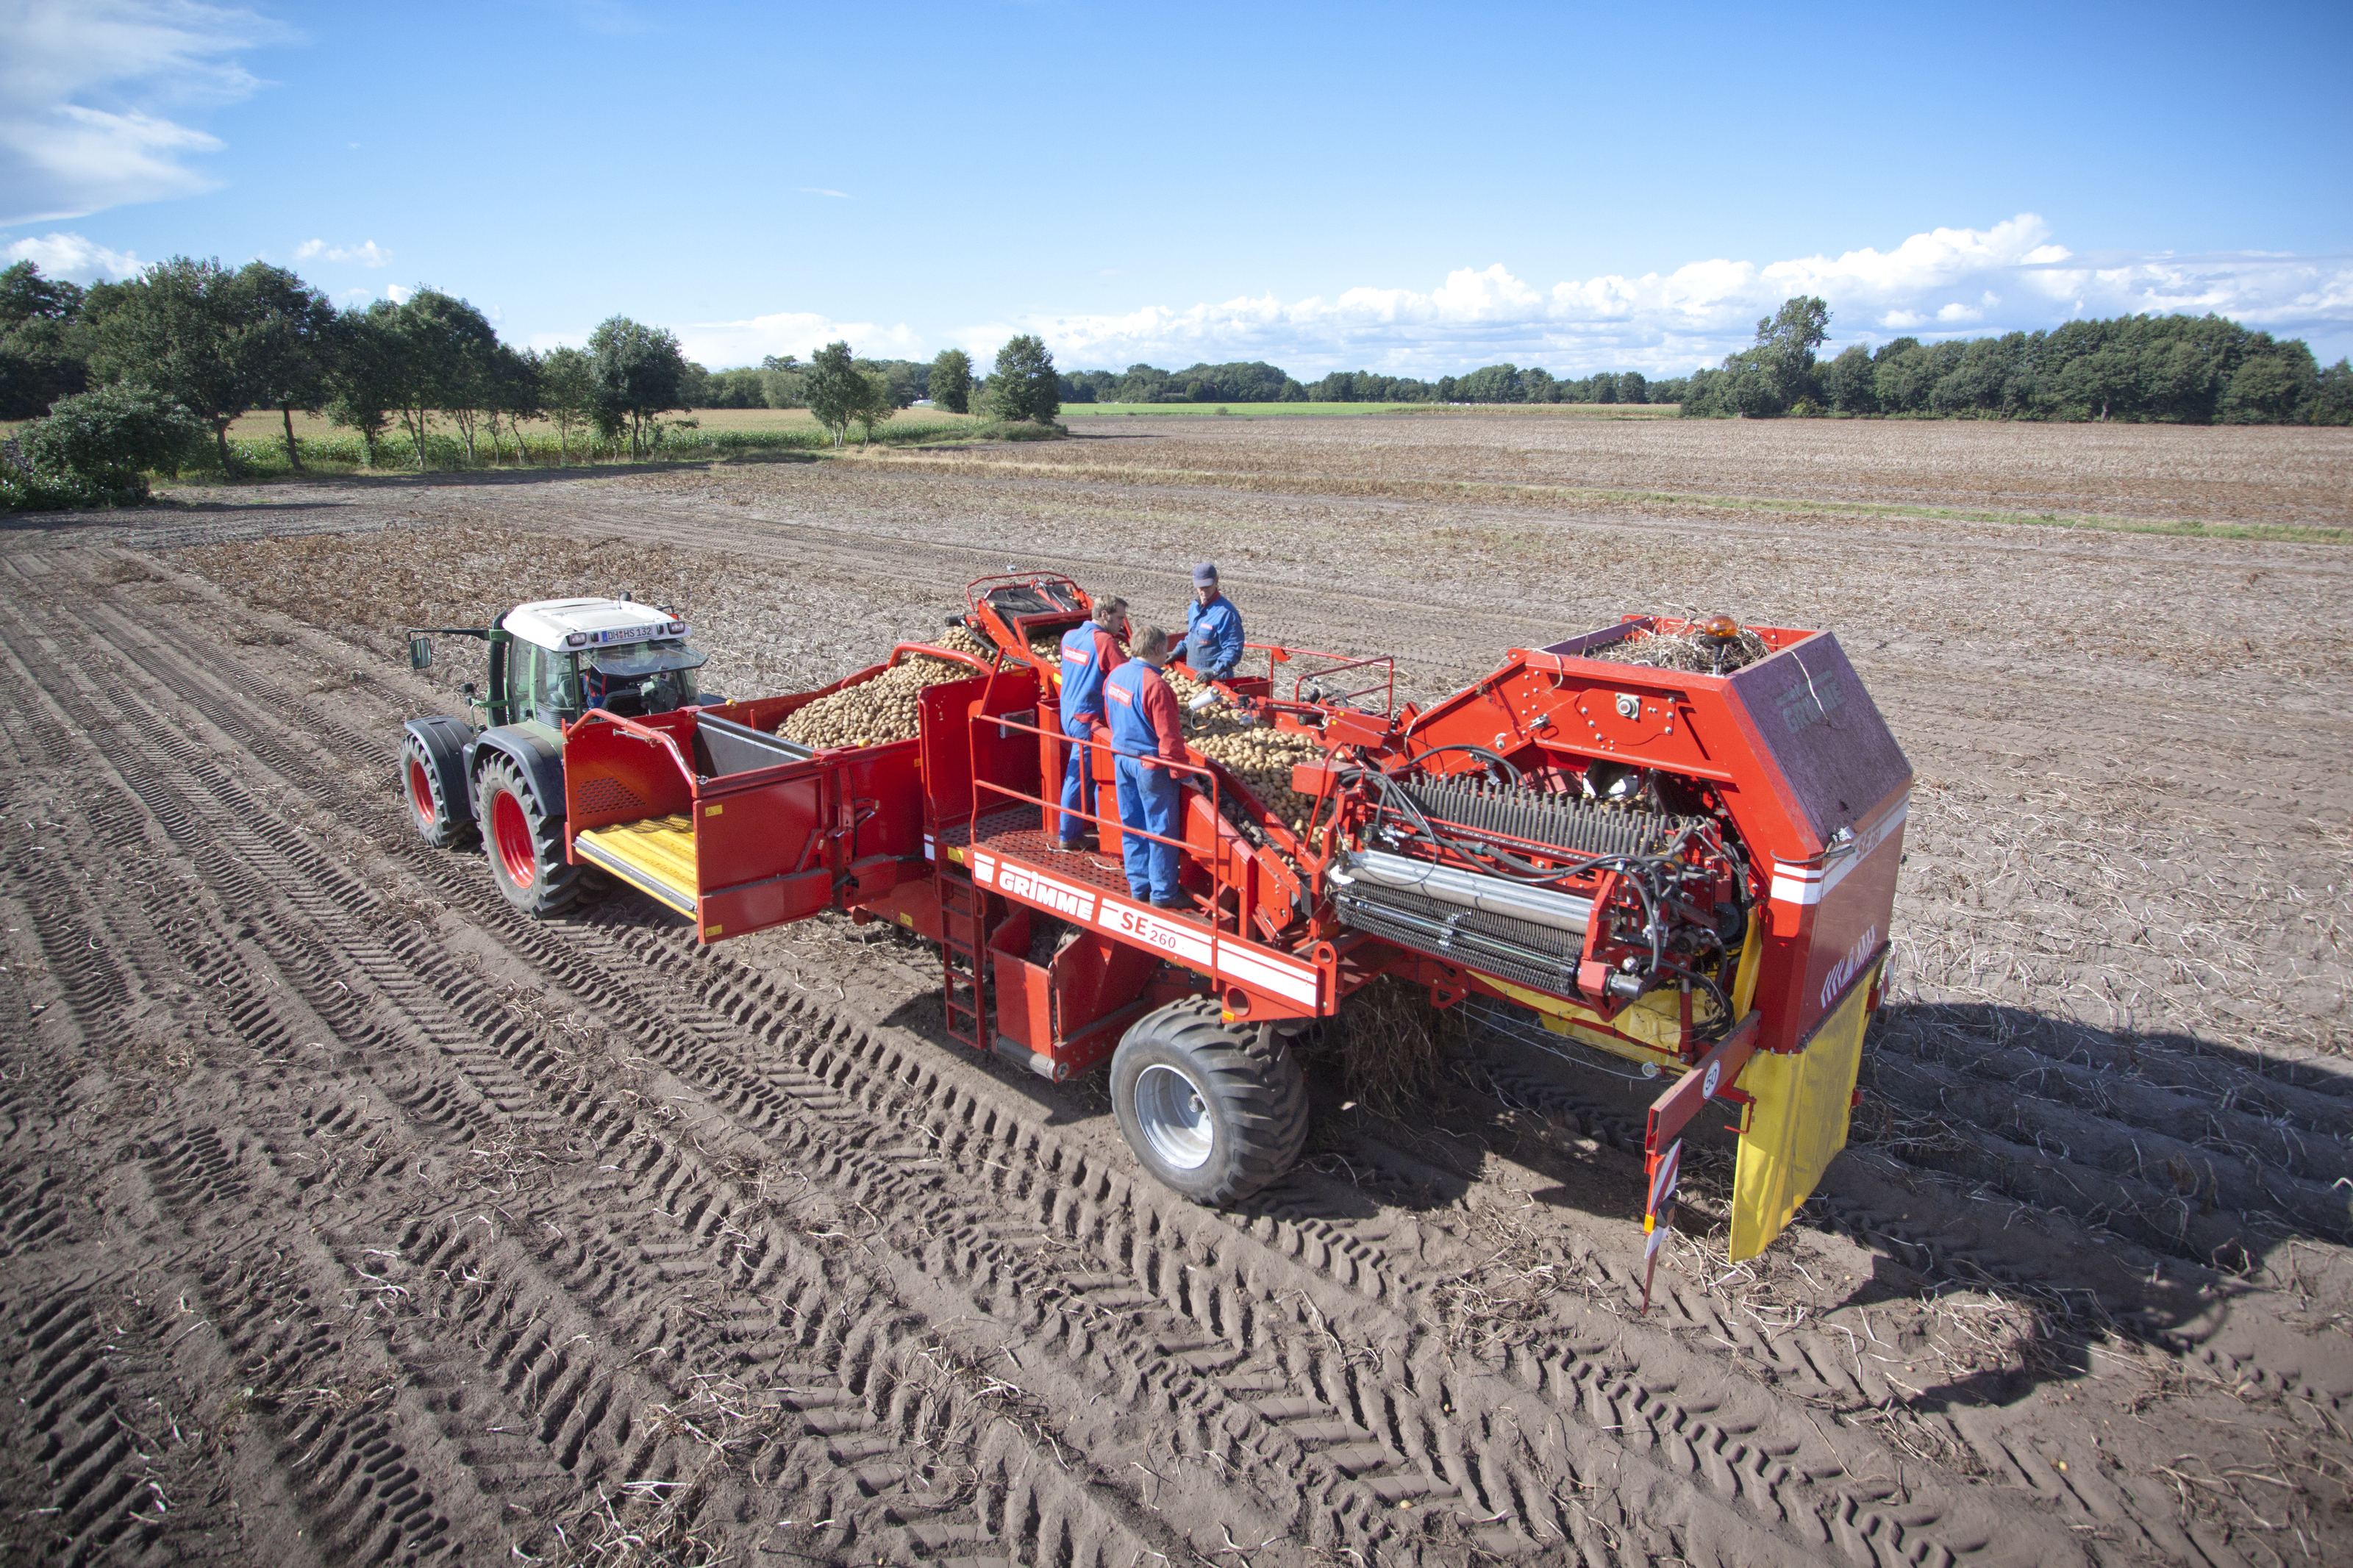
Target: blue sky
{"x": 1418, "y": 190}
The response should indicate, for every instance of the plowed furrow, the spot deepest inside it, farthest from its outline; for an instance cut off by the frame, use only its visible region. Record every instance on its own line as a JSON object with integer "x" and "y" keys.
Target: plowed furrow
{"x": 309, "y": 869}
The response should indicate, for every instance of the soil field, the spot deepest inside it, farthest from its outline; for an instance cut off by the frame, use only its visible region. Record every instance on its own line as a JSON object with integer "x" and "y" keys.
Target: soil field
{"x": 1362, "y": 410}
{"x": 345, "y": 1217}
{"x": 267, "y": 425}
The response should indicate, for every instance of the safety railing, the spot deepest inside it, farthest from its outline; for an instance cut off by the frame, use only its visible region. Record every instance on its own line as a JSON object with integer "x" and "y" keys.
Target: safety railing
{"x": 1386, "y": 685}
{"x": 1277, "y": 655}
{"x": 1219, "y": 883}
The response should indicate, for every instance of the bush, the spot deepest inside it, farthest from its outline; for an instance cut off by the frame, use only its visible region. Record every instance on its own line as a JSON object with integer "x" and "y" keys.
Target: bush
{"x": 1027, "y": 431}
{"x": 103, "y": 443}
{"x": 25, "y": 489}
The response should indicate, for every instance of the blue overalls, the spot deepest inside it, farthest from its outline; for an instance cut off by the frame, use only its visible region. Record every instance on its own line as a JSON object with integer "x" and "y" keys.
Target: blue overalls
{"x": 1082, "y": 712}
{"x": 1213, "y": 637}
{"x": 1148, "y": 796}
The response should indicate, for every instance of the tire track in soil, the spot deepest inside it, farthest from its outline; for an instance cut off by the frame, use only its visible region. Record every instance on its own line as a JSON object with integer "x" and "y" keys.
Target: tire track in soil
{"x": 198, "y": 1173}
{"x": 2138, "y": 1127}
{"x": 247, "y": 901}
{"x": 1703, "y": 1433}
{"x": 2060, "y": 1182}
{"x": 2295, "y": 1132}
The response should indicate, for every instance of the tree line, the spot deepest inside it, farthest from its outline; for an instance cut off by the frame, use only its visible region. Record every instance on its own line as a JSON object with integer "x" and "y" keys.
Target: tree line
{"x": 1258, "y": 382}
{"x": 218, "y": 344}
{"x": 123, "y": 379}
{"x": 2195, "y": 370}
{"x": 128, "y": 377}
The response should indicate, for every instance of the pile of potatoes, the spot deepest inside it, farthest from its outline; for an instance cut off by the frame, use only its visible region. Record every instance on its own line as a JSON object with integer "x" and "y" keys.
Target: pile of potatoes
{"x": 964, "y": 640}
{"x": 874, "y": 712}
{"x": 1261, "y": 758}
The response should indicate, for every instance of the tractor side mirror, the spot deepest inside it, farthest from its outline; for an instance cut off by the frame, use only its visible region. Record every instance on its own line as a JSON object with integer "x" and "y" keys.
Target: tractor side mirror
{"x": 420, "y": 653}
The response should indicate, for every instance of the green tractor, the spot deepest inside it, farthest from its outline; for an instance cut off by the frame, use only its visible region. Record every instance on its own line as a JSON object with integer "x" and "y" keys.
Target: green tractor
{"x": 550, "y": 662}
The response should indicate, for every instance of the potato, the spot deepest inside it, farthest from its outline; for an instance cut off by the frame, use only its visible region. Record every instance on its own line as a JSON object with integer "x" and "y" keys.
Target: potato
{"x": 874, "y": 712}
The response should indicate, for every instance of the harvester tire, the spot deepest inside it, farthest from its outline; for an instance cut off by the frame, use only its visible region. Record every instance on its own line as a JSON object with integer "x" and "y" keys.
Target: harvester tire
{"x": 1214, "y": 1110}
{"x": 524, "y": 846}
{"x": 428, "y": 806}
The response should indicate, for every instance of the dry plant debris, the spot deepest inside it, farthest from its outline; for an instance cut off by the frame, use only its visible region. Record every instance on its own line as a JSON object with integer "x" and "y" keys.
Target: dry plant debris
{"x": 1393, "y": 1047}
{"x": 1685, "y": 650}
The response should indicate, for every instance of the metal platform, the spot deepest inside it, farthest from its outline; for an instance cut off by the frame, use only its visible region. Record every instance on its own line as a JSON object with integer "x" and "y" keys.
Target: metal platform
{"x": 656, "y": 854}
{"x": 1014, "y": 837}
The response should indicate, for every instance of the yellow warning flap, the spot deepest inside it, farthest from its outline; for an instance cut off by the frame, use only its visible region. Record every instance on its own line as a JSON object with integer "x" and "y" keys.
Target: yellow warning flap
{"x": 1797, "y": 1125}
{"x": 657, "y": 854}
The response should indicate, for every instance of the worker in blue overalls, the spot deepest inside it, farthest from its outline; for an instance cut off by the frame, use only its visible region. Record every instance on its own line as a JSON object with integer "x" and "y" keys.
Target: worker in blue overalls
{"x": 1147, "y": 734}
{"x": 1213, "y": 627}
{"x": 1090, "y": 653}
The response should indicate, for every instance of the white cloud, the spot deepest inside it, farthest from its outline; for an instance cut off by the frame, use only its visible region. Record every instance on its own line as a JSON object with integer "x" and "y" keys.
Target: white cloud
{"x": 2009, "y": 276}
{"x": 71, "y": 256}
{"x": 369, "y": 254}
{"x": 799, "y": 333}
{"x": 822, "y": 191}
{"x": 398, "y": 293}
{"x": 80, "y": 83}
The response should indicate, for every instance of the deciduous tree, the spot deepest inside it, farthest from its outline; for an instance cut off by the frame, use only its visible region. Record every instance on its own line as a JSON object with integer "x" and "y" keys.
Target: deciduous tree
{"x": 364, "y": 384}
{"x": 877, "y": 404}
{"x": 639, "y": 374}
{"x": 291, "y": 345}
{"x": 834, "y": 388}
{"x": 1024, "y": 385}
{"x": 181, "y": 328}
{"x": 445, "y": 345}
{"x": 567, "y": 393}
{"x": 951, "y": 386}
{"x": 44, "y": 344}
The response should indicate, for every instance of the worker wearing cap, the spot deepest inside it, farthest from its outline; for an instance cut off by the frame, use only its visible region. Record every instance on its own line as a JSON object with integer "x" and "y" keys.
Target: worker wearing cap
{"x": 1213, "y": 627}
{"x": 1090, "y": 653}
{"x": 1146, "y": 734}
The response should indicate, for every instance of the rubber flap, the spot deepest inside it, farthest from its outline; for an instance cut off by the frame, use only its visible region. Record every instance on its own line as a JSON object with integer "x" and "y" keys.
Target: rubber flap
{"x": 1797, "y": 1123}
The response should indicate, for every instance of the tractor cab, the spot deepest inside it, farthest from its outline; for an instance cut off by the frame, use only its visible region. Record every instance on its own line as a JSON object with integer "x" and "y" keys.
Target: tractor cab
{"x": 564, "y": 657}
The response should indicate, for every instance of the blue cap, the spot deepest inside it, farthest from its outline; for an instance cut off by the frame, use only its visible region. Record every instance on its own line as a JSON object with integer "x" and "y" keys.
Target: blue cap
{"x": 1205, "y": 575}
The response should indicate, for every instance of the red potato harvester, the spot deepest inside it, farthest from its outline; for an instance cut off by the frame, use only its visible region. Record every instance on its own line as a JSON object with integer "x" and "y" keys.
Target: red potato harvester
{"x": 1691, "y": 871}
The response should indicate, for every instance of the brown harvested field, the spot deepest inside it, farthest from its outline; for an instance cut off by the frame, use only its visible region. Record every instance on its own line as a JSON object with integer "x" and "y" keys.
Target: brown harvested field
{"x": 2245, "y": 474}
{"x": 350, "y": 1219}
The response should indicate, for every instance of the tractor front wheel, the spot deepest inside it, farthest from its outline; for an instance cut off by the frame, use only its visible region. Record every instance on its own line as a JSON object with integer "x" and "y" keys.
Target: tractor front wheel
{"x": 1214, "y": 1110}
{"x": 429, "y": 807}
{"x": 525, "y": 847}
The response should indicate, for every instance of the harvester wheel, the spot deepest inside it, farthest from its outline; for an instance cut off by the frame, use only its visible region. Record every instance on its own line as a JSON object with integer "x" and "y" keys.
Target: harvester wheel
{"x": 1214, "y": 1110}
{"x": 429, "y": 807}
{"x": 525, "y": 847}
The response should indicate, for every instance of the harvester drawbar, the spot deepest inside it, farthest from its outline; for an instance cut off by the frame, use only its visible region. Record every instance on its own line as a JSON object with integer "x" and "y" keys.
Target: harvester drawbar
{"x": 1693, "y": 870}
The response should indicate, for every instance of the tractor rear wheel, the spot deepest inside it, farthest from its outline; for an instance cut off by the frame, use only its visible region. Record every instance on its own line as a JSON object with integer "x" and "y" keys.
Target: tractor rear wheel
{"x": 1214, "y": 1110}
{"x": 525, "y": 847}
{"x": 428, "y": 806}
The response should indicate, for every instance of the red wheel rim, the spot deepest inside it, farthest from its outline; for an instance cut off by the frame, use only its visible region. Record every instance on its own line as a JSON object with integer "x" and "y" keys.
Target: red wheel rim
{"x": 511, "y": 834}
{"x": 420, "y": 791}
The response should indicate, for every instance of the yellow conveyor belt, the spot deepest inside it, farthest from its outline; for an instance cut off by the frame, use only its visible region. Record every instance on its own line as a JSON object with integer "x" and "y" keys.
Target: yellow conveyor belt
{"x": 656, "y": 854}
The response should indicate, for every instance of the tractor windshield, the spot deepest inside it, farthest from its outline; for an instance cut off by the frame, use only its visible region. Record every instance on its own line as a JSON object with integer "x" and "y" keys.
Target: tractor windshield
{"x": 637, "y": 678}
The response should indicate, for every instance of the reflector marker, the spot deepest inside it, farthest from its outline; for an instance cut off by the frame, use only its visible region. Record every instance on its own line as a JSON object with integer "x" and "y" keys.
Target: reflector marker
{"x": 1798, "y": 882}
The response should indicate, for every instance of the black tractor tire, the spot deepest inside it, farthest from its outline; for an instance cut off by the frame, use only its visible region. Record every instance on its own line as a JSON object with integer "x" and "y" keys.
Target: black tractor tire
{"x": 1213, "y": 1110}
{"x": 428, "y": 804}
{"x": 524, "y": 846}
